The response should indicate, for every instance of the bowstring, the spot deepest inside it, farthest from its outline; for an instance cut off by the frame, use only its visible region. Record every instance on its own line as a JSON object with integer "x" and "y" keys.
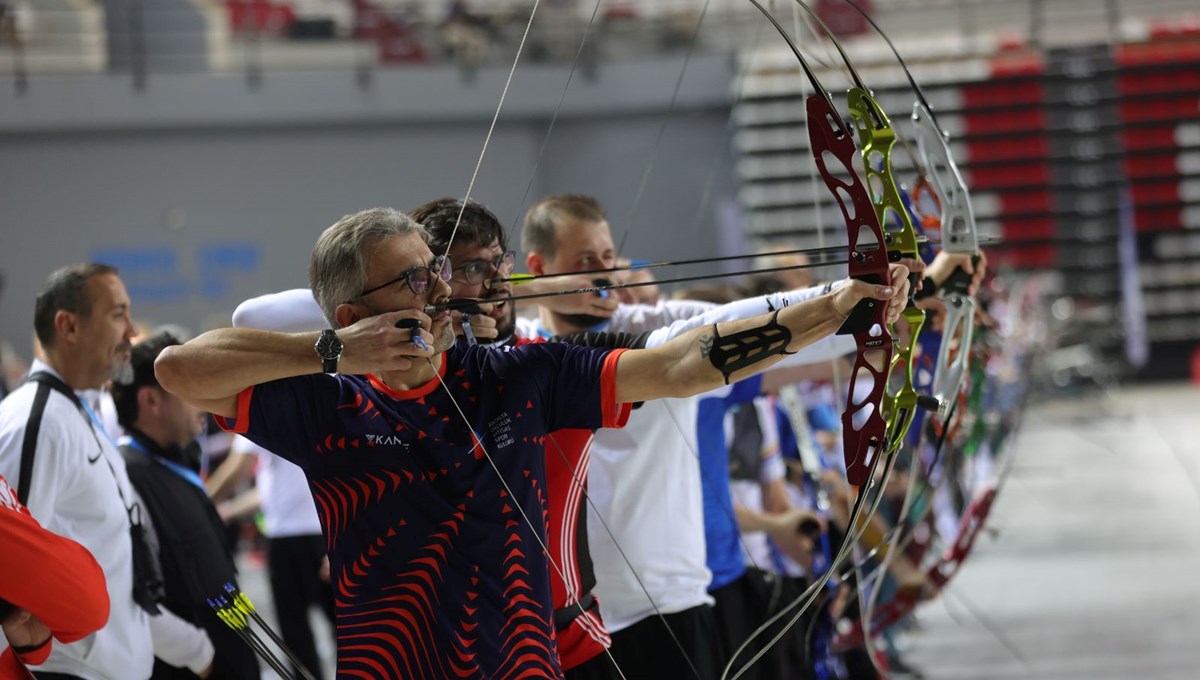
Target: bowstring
{"x": 450, "y": 244}
{"x": 553, "y": 121}
{"x": 662, "y": 129}
{"x": 856, "y": 526}
{"x": 545, "y": 141}
{"x": 491, "y": 128}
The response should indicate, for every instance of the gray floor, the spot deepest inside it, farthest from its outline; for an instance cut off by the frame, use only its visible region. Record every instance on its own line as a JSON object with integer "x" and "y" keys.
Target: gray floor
{"x": 1093, "y": 569}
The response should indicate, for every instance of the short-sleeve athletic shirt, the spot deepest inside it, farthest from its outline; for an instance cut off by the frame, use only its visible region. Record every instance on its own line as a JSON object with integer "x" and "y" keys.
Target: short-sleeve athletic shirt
{"x": 436, "y": 572}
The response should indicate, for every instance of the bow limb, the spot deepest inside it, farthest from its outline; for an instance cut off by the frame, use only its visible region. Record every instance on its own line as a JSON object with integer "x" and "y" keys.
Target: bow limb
{"x": 865, "y": 430}
{"x": 492, "y": 126}
{"x": 957, "y": 222}
{"x": 900, "y": 402}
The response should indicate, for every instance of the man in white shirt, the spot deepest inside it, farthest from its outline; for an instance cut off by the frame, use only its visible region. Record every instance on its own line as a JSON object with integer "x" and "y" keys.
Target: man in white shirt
{"x": 72, "y": 478}
{"x": 647, "y": 531}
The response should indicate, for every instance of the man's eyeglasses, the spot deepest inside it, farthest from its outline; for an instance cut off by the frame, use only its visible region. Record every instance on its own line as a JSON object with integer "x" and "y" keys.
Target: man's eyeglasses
{"x": 420, "y": 277}
{"x": 475, "y": 271}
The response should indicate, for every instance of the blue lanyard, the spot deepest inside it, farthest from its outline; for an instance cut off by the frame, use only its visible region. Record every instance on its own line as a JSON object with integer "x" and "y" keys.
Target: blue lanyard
{"x": 96, "y": 424}
{"x": 189, "y": 475}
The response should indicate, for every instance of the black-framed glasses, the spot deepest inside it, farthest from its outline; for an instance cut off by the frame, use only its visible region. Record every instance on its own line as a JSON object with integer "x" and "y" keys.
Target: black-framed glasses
{"x": 475, "y": 271}
{"x": 420, "y": 277}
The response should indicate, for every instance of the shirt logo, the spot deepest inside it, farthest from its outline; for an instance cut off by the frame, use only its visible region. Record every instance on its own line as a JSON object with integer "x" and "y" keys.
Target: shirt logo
{"x": 387, "y": 440}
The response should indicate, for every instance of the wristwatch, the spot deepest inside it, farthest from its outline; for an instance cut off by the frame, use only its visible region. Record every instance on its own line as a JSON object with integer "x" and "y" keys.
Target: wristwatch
{"x": 329, "y": 348}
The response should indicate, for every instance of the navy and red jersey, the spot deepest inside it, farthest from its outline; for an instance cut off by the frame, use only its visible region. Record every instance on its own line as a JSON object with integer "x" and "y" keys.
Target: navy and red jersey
{"x": 585, "y": 637}
{"x": 437, "y": 574}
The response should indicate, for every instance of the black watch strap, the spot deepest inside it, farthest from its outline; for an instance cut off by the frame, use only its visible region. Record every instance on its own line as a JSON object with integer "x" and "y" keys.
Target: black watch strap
{"x": 329, "y": 349}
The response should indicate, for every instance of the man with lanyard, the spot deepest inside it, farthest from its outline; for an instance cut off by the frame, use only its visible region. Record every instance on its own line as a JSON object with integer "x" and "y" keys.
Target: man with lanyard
{"x": 73, "y": 480}
{"x": 425, "y": 457}
{"x": 162, "y": 458}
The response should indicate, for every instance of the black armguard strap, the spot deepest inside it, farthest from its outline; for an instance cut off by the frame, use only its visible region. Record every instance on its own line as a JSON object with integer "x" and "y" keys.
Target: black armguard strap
{"x": 733, "y": 352}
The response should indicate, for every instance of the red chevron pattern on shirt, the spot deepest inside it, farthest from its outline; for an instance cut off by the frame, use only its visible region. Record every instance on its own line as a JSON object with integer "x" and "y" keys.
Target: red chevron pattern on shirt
{"x": 437, "y": 572}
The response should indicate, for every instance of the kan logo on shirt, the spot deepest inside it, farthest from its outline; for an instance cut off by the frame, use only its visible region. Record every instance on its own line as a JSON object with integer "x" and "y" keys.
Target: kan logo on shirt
{"x": 387, "y": 440}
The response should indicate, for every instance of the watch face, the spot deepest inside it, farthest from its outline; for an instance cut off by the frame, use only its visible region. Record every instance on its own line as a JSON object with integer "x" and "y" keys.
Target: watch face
{"x": 329, "y": 346}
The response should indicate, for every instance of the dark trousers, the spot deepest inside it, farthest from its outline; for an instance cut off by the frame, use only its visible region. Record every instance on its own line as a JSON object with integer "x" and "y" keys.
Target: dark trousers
{"x": 294, "y": 563}
{"x": 647, "y": 650}
{"x": 42, "y": 675}
{"x": 741, "y": 607}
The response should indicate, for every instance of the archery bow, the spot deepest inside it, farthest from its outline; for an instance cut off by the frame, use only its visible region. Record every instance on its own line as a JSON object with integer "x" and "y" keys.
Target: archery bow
{"x": 957, "y": 224}
{"x": 867, "y": 437}
{"x": 876, "y": 139}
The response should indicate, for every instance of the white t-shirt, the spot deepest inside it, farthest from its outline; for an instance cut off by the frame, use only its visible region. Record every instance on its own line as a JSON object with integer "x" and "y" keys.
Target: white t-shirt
{"x": 287, "y": 503}
{"x": 73, "y": 492}
{"x": 644, "y": 479}
{"x": 644, "y": 488}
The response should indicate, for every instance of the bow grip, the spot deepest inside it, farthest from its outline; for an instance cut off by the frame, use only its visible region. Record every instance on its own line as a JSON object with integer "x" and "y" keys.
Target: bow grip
{"x": 860, "y": 319}
{"x": 913, "y": 283}
{"x": 929, "y": 403}
{"x": 959, "y": 281}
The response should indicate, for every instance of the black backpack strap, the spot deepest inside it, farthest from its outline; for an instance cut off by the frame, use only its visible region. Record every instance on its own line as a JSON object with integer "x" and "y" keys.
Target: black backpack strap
{"x": 46, "y": 382}
{"x": 29, "y": 445}
{"x": 54, "y": 382}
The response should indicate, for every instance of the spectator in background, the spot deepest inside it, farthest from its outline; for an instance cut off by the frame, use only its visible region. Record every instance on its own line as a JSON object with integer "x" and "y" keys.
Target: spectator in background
{"x": 73, "y": 480}
{"x": 295, "y": 546}
{"x": 162, "y": 457}
{"x": 70, "y": 601}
